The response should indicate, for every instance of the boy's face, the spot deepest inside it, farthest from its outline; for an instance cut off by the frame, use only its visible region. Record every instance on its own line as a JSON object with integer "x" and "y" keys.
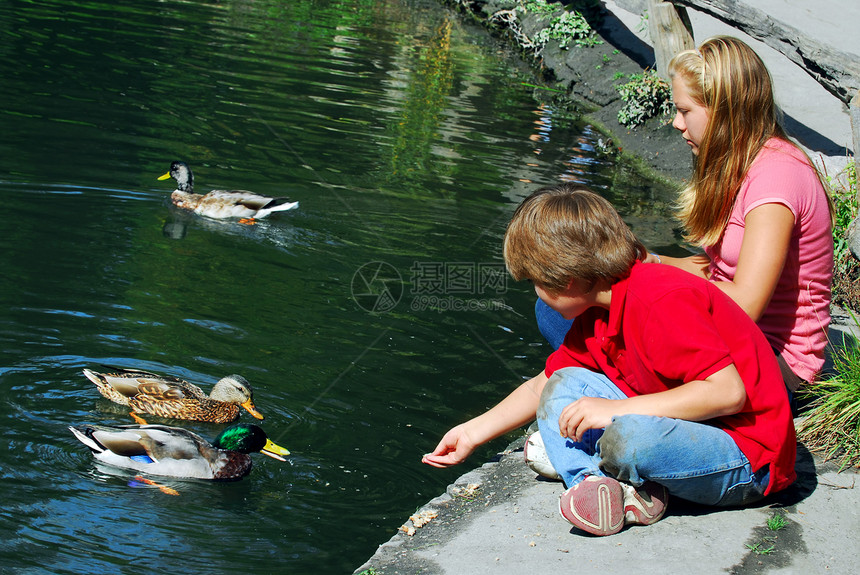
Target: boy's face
{"x": 570, "y": 302}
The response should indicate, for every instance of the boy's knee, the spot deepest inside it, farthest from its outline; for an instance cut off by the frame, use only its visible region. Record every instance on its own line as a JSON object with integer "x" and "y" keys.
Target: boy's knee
{"x": 553, "y": 387}
{"x": 624, "y": 443}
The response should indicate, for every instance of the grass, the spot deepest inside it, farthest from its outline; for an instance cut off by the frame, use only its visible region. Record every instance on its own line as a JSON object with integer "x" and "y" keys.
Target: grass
{"x": 777, "y": 521}
{"x": 760, "y": 549}
{"x": 767, "y": 544}
{"x": 832, "y": 422}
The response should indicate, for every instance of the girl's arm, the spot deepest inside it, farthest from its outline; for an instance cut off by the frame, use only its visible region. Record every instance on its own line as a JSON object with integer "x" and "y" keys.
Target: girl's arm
{"x": 722, "y": 393}
{"x": 516, "y": 410}
{"x": 767, "y": 233}
{"x": 764, "y": 249}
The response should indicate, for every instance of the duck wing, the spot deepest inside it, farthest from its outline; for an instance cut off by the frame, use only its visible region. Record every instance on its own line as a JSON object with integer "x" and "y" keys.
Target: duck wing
{"x": 131, "y": 383}
{"x": 190, "y": 408}
{"x": 155, "y": 441}
{"x": 240, "y": 203}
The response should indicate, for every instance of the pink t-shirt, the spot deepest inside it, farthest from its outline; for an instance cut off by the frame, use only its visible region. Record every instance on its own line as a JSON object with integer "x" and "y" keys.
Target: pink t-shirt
{"x": 795, "y": 322}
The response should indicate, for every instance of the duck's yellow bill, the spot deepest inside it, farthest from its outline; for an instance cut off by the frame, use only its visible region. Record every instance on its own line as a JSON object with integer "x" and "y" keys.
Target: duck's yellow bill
{"x": 274, "y": 450}
{"x": 164, "y": 177}
{"x": 249, "y": 405}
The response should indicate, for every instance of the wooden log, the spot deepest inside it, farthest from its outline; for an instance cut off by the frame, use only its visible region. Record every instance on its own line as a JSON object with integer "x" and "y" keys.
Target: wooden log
{"x": 837, "y": 71}
{"x": 670, "y": 31}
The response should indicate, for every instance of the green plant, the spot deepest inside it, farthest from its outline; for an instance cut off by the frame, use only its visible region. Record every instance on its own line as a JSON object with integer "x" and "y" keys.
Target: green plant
{"x": 760, "y": 549}
{"x": 846, "y": 288}
{"x": 645, "y": 96}
{"x": 606, "y": 59}
{"x": 776, "y": 521}
{"x": 643, "y": 22}
{"x": 618, "y": 75}
{"x": 832, "y": 422}
{"x": 566, "y": 28}
{"x": 538, "y": 7}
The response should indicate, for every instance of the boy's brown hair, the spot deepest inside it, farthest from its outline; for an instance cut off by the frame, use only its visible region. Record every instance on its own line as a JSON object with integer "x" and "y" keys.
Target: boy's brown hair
{"x": 566, "y": 232}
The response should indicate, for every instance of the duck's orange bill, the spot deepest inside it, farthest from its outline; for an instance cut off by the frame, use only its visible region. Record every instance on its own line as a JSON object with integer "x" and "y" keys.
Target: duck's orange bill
{"x": 249, "y": 405}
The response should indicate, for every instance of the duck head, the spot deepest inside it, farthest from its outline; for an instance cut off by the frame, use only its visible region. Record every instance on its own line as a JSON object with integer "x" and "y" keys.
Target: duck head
{"x": 249, "y": 438}
{"x": 236, "y": 389}
{"x": 180, "y": 172}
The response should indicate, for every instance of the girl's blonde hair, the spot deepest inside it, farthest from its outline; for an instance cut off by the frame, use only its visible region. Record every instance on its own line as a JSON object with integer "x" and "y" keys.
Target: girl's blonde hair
{"x": 731, "y": 81}
{"x": 567, "y": 232}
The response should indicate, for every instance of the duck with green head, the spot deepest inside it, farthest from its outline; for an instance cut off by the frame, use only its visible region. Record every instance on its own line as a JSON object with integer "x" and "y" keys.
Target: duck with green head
{"x": 222, "y": 203}
{"x": 177, "y": 452}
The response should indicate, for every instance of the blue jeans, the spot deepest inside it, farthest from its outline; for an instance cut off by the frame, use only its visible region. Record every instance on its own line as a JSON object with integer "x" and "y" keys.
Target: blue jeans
{"x": 695, "y": 461}
{"x": 550, "y": 323}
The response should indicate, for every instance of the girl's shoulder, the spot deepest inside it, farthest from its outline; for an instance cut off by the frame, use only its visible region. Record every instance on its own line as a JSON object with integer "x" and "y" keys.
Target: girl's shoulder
{"x": 779, "y": 151}
{"x": 782, "y": 172}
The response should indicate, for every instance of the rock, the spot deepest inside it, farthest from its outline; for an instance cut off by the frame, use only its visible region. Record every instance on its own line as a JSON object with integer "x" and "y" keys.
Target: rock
{"x": 854, "y": 238}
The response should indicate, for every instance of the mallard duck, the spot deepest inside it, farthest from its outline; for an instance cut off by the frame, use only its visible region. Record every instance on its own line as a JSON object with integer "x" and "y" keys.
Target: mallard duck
{"x": 167, "y": 396}
{"x": 221, "y": 203}
{"x": 177, "y": 452}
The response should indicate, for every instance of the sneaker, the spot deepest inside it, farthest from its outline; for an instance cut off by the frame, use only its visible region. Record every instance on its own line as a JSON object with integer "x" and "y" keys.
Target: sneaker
{"x": 595, "y": 505}
{"x": 646, "y": 504}
{"x": 536, "y": 458}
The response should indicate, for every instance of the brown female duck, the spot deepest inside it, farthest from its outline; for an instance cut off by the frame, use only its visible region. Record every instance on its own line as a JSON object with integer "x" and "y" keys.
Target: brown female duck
{"x": 175, "y": 398}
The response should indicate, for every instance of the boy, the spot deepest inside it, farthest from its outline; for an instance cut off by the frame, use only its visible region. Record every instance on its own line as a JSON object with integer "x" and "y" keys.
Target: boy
{"x": 663, "y": 384}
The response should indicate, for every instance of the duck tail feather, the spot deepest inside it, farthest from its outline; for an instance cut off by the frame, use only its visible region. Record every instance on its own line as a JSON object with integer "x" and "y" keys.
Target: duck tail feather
{"x": 84, "y": 435}
{"x": 280, "y": 204}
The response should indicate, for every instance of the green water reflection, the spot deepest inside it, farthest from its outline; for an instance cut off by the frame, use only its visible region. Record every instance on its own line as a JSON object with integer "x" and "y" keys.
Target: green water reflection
{"x": 407, "y": 141}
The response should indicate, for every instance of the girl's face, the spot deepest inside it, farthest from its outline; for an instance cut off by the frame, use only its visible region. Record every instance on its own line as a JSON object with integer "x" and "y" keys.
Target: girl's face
{"x": 691, "y": 118}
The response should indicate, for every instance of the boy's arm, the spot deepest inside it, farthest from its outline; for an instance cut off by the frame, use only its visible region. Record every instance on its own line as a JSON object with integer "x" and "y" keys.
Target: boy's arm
{"x": 722, "y": 393}
{"x": 516, "y": 410}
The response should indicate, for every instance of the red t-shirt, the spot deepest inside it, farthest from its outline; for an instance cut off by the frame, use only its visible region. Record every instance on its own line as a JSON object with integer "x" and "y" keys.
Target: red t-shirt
{"x": 666, "y": 327}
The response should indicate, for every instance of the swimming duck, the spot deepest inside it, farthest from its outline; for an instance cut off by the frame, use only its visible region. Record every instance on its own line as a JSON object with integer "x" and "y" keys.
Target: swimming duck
{"x": 177, "y": 452}
{"x": 221, "y": 203}
{"x": 173, "y": 397}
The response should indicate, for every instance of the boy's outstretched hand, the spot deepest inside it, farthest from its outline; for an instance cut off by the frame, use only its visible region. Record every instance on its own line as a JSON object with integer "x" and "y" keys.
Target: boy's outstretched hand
{"x": 454, "y": 448}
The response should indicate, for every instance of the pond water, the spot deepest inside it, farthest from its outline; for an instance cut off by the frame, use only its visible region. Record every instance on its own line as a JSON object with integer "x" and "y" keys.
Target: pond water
{"x": 368, "y": 321}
